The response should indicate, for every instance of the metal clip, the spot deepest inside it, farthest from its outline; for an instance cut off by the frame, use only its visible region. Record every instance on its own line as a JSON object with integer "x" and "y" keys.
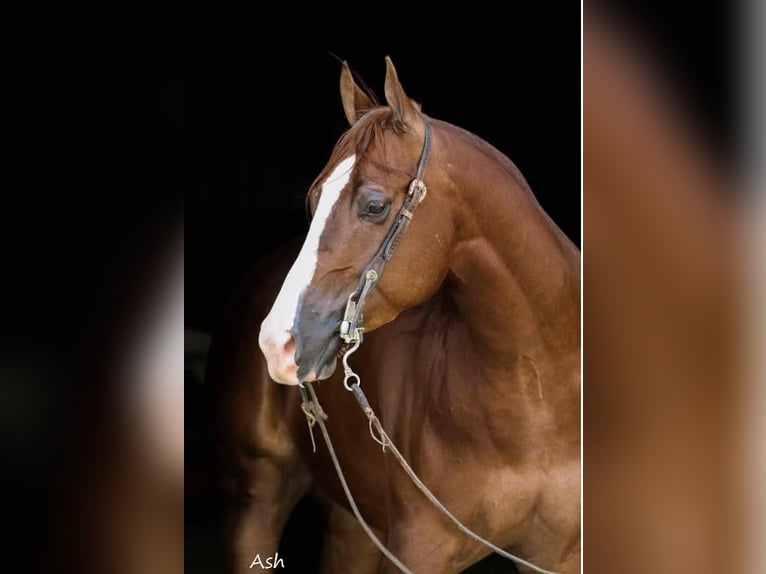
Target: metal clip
{"x": 352, "y": 317}
{"x": 348, "y": 318}
{"x": 420, "y": 186}
{"x": 348, "y": 372}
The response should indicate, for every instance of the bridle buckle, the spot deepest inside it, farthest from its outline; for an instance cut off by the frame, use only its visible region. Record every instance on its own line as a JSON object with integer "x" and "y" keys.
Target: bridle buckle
{"x": 419, "y": 186}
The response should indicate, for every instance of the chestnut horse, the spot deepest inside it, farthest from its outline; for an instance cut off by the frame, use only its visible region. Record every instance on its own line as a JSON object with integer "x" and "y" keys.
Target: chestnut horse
{"x": 471, "y": 358}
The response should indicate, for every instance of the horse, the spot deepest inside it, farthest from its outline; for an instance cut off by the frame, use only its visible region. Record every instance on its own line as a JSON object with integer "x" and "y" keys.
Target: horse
{"x": 471, "y": 357}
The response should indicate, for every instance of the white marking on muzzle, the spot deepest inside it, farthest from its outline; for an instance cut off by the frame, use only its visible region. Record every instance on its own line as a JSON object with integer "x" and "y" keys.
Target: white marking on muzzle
{"x": 275, "y": 329}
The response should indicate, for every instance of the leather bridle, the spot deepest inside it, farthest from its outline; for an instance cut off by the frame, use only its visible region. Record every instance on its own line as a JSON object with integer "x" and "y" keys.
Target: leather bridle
{"x": 352, "y": 327}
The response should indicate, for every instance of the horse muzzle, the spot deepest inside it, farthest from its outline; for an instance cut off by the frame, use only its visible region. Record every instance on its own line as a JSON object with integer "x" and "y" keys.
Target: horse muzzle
{"x": 279, "y": 350}
{"x": 305, "y": 353}
{"x": 317, "y": 342}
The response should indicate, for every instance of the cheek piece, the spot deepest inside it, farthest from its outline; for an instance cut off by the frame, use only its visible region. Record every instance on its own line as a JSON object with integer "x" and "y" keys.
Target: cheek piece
{"x": 351, "y": 328}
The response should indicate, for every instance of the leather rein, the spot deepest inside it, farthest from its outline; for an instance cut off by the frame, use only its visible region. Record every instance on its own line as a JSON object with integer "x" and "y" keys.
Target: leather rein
{"x": 351, "y": 332}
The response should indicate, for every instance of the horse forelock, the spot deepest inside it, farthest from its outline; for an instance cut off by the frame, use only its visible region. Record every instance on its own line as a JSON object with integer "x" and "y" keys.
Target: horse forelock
{"x": 358, "y": 140}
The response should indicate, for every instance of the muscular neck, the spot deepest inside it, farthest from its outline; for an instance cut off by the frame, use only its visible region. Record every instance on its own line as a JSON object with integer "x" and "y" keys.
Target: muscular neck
{"x": 515, "y": 277}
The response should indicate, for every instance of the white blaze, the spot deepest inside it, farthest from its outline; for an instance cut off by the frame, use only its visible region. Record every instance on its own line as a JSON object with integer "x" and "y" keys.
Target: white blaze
{"x": 275, "y": 329}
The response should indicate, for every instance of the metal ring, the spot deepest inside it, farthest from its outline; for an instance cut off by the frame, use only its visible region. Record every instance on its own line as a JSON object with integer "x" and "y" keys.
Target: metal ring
{"x": 349, "y": 376}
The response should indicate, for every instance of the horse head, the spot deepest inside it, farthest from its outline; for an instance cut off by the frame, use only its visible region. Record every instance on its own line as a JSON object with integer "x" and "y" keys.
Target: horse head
{"x": 354, "y": 202}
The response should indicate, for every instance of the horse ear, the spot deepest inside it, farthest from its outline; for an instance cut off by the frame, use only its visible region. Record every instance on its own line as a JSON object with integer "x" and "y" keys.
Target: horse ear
{"x": 355, "y": 100}
{"x": 406, "y": 112}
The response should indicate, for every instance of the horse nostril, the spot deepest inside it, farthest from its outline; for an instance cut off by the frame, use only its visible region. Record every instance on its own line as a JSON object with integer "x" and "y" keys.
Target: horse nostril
{"x": 279, "y": 350}
{"x": 289, "y": 347}
{"x": 275, "y": 345}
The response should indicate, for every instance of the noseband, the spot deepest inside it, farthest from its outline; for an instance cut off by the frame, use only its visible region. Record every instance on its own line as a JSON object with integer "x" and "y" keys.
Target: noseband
{"x": 352, "y": 327}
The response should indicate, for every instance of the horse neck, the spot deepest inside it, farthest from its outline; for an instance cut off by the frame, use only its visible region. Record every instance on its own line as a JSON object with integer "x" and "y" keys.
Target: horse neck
{"x": 514, "y": 275}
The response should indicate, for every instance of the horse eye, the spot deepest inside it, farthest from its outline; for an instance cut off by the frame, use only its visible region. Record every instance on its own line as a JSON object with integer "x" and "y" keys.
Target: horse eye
{"x": 373, "y": 206}
{"x": 376, "y": 207}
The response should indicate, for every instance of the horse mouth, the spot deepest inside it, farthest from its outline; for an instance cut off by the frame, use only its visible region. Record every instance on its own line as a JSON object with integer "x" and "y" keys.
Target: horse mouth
{"x": 327, "y": 371}
{"x": 324, "y": 367}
